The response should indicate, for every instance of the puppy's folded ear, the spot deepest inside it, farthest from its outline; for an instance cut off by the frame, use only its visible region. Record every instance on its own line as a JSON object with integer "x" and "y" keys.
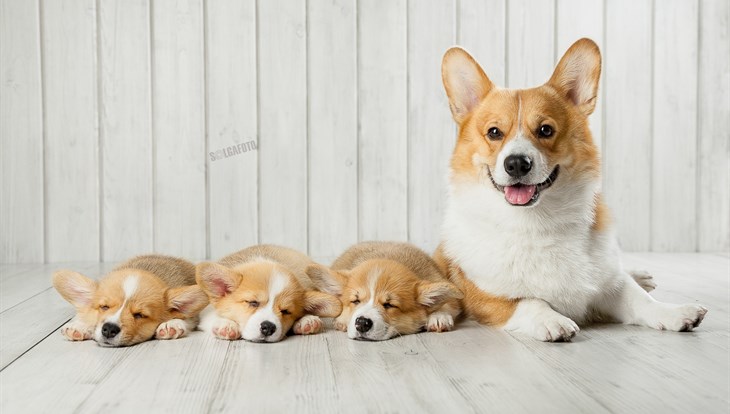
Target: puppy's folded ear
{"x": 76, "y": 288}
{"x": 436, "y": 293}
{"x": 322, "y": 304}
{"x": 327, "y": 280}
{"x": 216, "y": 280}
{"x": 187, "y": 301}
{"x": 577, "y": 74}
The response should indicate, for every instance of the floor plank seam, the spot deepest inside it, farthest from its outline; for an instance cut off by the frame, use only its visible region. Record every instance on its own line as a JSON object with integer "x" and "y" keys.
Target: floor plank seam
{"x": 26, "y": 300}
{"x": 34, "y": 345}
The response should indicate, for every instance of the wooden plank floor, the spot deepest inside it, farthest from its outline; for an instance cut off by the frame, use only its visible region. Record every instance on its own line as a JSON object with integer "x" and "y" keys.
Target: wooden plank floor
{"x": 608, "y": 368}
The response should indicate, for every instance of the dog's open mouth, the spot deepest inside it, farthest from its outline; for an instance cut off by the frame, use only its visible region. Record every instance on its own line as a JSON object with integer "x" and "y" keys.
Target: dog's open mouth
{"x": 524, "y": 194}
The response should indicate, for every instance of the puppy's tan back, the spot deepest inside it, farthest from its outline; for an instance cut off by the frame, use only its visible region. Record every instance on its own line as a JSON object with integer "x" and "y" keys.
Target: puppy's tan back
{"x": 174, "y": 271}
{"x": 293, "y": 260}
{"x": 406, "y": 254}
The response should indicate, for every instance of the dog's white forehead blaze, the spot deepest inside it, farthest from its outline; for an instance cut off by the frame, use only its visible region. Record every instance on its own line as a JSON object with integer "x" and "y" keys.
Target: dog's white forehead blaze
{"x": 277, "y": 283}
{"x": 130, "y": 285}
{"x": 373, "y": 277}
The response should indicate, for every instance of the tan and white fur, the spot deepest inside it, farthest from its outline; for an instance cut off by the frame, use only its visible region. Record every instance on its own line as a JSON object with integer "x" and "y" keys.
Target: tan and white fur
{"x": 262, "y": 292}
{"x": 389, "y": 289}
{"x": 145, "y": 297}
{"x": 526, "y": 233}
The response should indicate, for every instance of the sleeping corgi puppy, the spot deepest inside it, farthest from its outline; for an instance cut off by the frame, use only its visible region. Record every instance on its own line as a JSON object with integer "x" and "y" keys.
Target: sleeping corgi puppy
{"x": 262, "y": 292}
{"x": 145, "y": 297}
{"x": 389, "y": 289}
{"x": 527, "y": 235}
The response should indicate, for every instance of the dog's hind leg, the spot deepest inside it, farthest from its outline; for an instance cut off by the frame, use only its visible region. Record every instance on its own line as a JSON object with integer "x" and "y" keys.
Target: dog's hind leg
{"x": 631, "y": 304}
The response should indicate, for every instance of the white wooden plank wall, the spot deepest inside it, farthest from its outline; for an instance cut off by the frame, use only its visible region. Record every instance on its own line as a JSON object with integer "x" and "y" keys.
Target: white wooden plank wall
{"x": 117, "y": 119}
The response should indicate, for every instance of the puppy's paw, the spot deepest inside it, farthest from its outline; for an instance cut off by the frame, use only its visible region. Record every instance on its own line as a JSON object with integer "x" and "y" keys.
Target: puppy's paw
{"x": 341, "y": 325}
{"x": 308, "y": 324}
{"x": 440, "y": 322}
{"x": 556, "y": 328}
{"x": 680, "y": 318}
{"x": 172, "y": 329}
{"x": 77, "y": 331}
{"x": 643, "y": 279}
{"x": 226, "y": 329}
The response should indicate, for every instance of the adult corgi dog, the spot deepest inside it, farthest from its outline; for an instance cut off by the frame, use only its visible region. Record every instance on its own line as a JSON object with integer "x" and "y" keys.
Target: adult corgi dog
{"x": 146, "y": 297}
{"x": 389, "y": 289}
{"x": 260, "y": 293}
{"x": 526, "y": 234}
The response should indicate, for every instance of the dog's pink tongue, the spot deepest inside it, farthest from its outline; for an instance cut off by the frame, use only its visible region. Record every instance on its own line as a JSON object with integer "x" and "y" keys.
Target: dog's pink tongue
{"x": 519, "y": 195}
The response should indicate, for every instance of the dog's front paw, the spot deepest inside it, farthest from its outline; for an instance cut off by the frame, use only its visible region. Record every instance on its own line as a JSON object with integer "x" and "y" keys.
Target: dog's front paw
{"x": 440, "y": 322}
{"x": 77, "y": 331}
{"x": 680, "y": 318}
{"x": 556, "y": 328}
{"x": 643, "y": 279}
{"x": 341, "y": 325}
{"x": 226, "y": 329}
{"x": 308, "y": 324}
{"x": 172, "y": 329}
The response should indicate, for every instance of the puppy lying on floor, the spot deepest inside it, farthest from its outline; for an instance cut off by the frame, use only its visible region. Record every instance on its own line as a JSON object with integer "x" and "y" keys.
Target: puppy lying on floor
{"x": 145, "y": 297}
{"x": 389, "y": 289}
{"x": 260, "y": 293}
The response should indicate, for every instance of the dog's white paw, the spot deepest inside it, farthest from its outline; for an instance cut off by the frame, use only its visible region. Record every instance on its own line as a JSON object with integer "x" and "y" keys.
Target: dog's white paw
{"x": 341, "y": 325}
{"x": 226, "y": 329}
{"x": 643, "y": 279}
{"x": 77, "y": 331}
{"x": 308, "y": 324}
{"x": 555, "y": 328}
{"x": 679, "y": 318}
{"x": 440, "y": 322}
{"x": 172, "y": 329}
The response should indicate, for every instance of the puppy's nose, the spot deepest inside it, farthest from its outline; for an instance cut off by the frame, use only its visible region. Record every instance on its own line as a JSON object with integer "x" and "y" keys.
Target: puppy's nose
{"x": 363, "y": 324}
{"x": 517, "y": 165}
{"x": 110, "y": 330}
{"x": 267, "y": 328}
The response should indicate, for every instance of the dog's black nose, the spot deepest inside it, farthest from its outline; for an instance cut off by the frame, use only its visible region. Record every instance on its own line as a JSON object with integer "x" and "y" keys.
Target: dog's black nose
{"x": 517, "y": 165}
{"x": 267, "y": 328}
{"x": 110, "y": 330}
{"x": 363, "y": 324}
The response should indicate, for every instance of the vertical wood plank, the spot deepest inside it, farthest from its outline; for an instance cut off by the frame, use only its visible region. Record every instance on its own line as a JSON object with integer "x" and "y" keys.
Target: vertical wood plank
{"x": 713, "y": 192}
{"x": 72, "y": 146}
{"x": 21, "y": 133}
{"x": 125, "y": 129}
{"x": 282, "y": 122}
{"x": 332, "y": 95}
{"x": 530, "y": 46}
{"x": 382, "y": 102}
{"x": 674, "y": 166}
{"x": 178, "y": 128}
{"x": 628, "y": 98}
{"x": 431, "y": 130}
{"x": 577, "y": 19}
{"x": 482, "y": 31}
{"x": 232, "y": 114}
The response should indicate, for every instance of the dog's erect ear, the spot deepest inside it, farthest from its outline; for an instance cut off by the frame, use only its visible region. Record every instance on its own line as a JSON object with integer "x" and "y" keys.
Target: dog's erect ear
{"x": 216, "y": 280}
{"x": 434, "y": 294}
{"x": 322, "y": 304}
{"x": 577, "y": 74}
{"x": 76, "y": 288}
{"x": 327, "y": 280}
{"x": 187, "y": 301}
{"x": 465, "y": 82}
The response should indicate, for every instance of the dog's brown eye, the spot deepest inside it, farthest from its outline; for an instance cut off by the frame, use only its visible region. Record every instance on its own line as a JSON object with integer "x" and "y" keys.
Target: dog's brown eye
{"x": 545, "y": 131}
{"x": 285, "y": 312}
{"x": 494, "y": 134}
{"x": 138, "y": 316}
{"x": 253, "y": 303}
{"x": 356, "y": 302}
{"x": 103, "y": 308}
{"x": 388, "y": 305}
